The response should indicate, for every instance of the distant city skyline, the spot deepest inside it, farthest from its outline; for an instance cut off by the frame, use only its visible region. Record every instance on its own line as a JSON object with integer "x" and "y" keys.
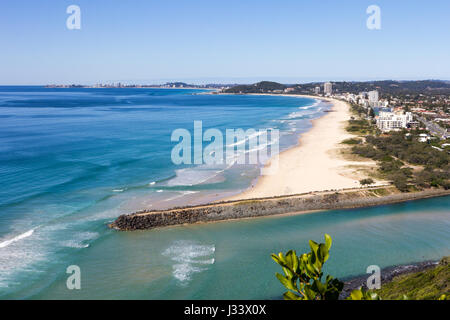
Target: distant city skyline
{"x": 200, "y": 42}
{"x": 235, "y": 80}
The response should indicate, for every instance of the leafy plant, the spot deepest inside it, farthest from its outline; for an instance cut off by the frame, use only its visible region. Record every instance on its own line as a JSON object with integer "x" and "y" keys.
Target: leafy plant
{"x": 303, "y": 275}
{"x": 363, "y": 294}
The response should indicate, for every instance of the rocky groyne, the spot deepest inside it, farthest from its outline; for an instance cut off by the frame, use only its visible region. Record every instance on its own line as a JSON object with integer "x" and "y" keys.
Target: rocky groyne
{"x": 268, "y": 206}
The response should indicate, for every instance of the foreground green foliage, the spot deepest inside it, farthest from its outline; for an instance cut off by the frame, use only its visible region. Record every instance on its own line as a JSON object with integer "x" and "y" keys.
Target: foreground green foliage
{"x": 363, "y": 294}
{"x": 303, "y": 279}
{"x": 303, "y": 275}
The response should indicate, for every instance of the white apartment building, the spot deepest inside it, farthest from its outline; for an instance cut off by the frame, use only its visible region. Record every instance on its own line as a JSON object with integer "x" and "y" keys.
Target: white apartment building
{"x": 374, "y": 101}
{"x": 373, "y": 96}
{"x": 351, "y": 98}
{"x": 317, "y": 90}
{"x": 328, "y": 88}
{"x": 363, "y": 102}
{"x": 393, "y": 121}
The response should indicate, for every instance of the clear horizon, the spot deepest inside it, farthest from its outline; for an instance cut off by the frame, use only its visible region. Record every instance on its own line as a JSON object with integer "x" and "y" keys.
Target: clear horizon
{"x": 234, "y": 42}
{"x": 218, "y": 82}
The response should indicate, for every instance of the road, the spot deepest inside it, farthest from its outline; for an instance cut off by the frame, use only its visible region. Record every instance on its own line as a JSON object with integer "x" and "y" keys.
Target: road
{"x": 432, "y": 127}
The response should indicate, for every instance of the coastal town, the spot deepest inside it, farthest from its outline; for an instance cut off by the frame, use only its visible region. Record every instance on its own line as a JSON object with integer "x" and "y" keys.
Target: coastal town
{"x": 121, "y": 85}
{"x": 430, "y": 114}
{"x": 420, "y": 108}
{"x": 418, "y": 105}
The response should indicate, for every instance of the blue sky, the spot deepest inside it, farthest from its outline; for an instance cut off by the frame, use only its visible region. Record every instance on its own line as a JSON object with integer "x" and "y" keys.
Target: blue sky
{"x": 222, "y": 41}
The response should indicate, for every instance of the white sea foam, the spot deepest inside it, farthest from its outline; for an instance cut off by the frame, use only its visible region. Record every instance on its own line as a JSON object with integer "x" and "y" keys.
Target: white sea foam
{"x": 182, "y": 194}
{"x": 74, "y": 244}
{"x": 152, "y": 183}
{"x": 18, "y": 254}
{"x": 17, "y": 238}
{"x": 194, "y": 176}
{"x": 300, "y": 114}
{"x": 189, "y": 258}
{"x": 247, "y": 138}
{"x": 315, "y": 104}
{"x": 80, "y": 240}
{"x": 262, "y": 146}
{"x": 295, "y": 115}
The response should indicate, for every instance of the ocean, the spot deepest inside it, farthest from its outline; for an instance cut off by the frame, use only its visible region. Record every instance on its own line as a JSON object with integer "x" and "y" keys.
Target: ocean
{"x": 72, "y": 160}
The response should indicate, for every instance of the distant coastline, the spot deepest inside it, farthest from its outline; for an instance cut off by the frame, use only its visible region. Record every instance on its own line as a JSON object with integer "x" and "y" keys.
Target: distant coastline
{"x": 118, "y": 85}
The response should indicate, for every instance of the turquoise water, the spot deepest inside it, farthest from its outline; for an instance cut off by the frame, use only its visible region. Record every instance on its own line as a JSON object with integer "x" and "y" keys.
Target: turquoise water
{"x": 74, "y": 159}
{"x": 231, "y": 260}
{"x": 71, "y": 160}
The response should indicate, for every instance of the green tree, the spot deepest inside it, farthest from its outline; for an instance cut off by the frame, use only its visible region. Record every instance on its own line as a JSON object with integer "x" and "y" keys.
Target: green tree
{"x": 366, "y": 182}
{"x": 303, "y": 275}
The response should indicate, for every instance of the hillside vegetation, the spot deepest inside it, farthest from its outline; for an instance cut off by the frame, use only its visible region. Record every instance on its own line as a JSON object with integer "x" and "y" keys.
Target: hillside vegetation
{"x": 430, "y": 284}
{"x": 388, "y": 87}
{"x": 260, "y": 87}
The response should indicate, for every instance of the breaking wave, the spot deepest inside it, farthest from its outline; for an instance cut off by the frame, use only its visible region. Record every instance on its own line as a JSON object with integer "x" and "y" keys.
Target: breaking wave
{"x": 17, "y": 238}
{"x": 188, "y": 258}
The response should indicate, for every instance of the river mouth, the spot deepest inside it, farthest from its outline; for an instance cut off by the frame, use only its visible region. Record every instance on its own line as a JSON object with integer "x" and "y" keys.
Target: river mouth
{"x": 182, "y": 262}
{"x": 77, "y": 159}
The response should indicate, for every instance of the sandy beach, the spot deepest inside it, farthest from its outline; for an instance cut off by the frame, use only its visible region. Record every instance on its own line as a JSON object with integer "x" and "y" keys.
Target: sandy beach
{"x": 316, "y": 163}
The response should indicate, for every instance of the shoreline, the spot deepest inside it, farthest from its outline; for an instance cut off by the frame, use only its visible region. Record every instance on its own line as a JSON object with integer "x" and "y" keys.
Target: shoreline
{"x": 314, "y": 163}
{"x": 272, "y": 206}
{"x": 325, "y": 186}
{"x": 213, "y": 196}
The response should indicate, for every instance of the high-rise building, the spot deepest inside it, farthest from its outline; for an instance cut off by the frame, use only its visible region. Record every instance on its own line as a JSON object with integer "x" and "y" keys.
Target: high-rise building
{"x": 328, "y": 88}
{"x": 317, "y": 90}
{"x": 373, "y": 96}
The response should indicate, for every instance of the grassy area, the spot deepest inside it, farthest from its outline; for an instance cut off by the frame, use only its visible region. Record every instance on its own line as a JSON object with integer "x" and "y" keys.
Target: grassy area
{"x": 425, "y": 285}
{"x": 352, "y": 141}
{"x": 380, "y": 192}
{"x": 395, "y": 154}
{"x": 360, "y": 127}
